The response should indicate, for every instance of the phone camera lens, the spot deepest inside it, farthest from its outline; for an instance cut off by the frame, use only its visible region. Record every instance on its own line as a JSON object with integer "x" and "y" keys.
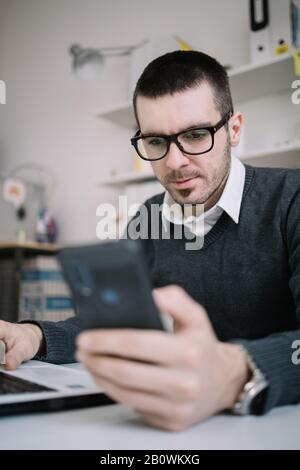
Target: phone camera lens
{"x": 110, "y": 296}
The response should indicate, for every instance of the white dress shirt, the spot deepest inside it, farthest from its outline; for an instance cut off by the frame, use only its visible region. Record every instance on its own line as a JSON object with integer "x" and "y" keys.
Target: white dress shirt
{"x": 201, "y": 223}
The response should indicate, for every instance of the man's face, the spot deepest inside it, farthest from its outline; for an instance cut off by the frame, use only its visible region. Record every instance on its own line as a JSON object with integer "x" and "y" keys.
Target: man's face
{"x": 190, "y": 179}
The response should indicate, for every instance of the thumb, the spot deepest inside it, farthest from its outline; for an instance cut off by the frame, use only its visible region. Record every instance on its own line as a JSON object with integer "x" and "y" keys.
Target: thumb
{"x": 186, "y": 313}
{"x": 13, "y": 359}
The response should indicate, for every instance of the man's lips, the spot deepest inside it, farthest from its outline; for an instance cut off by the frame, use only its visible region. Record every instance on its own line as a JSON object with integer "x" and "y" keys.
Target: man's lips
{"x": 185, "y": 183}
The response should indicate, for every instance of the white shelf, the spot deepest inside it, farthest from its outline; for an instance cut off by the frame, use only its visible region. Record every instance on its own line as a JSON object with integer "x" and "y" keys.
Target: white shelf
{"x": 243, "y": 69}
{"x": 256, "y": 80}
{"x": 289, "y": 154}
{"x": 119, "y": 113}
{"x": 286, "y": 156}
{"x": 280, "y": 149}
{"x": 127, "y": 178}
{"x": 248, "y": 82}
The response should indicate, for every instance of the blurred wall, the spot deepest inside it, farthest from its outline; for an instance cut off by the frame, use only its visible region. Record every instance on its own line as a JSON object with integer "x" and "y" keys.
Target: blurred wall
{"x": 50, "y": 118}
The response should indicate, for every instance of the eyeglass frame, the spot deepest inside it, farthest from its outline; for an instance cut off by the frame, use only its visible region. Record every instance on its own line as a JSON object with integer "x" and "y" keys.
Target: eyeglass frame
{"x": 174, "y": 138}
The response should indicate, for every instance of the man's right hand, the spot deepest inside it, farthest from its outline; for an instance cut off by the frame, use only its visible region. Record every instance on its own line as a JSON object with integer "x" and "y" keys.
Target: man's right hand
{"x": 22, "y": 342}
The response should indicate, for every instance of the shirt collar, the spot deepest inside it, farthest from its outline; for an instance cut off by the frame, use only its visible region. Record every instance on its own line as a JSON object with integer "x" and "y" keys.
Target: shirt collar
{"x": 230, "y": 200}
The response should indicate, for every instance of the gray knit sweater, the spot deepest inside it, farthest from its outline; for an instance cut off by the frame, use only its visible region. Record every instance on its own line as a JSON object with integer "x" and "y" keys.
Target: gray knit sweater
{"x": 247, "y": 276}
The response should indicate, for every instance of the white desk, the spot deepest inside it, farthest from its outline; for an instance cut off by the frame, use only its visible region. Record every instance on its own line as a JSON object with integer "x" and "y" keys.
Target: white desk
{"x": 116, "y": 427}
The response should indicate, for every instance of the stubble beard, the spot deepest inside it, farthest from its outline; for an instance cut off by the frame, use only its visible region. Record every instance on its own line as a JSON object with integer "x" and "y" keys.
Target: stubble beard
{"x": 212, "y": 187}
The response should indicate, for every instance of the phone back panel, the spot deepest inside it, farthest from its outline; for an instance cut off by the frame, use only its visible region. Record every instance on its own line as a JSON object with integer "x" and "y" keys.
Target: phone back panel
{"x": 110, "y": 285}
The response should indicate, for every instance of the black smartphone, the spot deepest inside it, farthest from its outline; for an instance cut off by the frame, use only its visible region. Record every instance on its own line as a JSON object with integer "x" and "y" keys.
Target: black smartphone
{"x": 110, "y": 285}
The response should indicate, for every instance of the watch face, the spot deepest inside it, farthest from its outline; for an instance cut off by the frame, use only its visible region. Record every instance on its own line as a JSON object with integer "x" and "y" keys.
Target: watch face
{"x": 258, "y": 402}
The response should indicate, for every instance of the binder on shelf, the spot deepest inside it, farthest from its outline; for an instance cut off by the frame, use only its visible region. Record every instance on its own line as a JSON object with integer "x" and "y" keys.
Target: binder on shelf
{"x": 295, "y": 26}
{"x": 44, "y": 294}
{"x": 260, "y": 36}
{"x": 280, "y": 19}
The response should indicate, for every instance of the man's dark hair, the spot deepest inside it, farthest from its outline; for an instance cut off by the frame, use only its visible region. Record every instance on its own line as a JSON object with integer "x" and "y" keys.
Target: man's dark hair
{"x": 182, "y": 70}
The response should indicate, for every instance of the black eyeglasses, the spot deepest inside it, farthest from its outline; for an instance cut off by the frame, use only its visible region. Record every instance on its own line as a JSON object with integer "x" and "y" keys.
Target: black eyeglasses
{"x": 193, "y": 141}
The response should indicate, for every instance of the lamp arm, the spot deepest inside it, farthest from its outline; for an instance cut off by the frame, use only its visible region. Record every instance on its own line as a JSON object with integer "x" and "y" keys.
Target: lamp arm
{"x": 121, "y": 50}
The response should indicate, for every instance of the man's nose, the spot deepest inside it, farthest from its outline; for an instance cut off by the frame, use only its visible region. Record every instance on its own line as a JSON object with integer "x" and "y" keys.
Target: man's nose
{"x": 175, "y": 158}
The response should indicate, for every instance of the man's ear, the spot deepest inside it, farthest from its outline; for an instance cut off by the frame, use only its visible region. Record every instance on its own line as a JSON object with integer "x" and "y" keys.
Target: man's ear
{"x": 235, "y": 126}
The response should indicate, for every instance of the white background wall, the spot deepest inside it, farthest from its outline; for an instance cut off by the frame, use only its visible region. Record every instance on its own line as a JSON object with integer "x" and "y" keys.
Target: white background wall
{"x": 49, "y": 117}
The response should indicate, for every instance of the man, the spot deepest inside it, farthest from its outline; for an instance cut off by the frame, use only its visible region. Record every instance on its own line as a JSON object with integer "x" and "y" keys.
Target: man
{"x": 236, "y": 303}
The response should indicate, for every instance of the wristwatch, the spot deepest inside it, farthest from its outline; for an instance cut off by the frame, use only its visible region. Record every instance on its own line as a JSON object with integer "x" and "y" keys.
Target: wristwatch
{"x": 252, "y": 398}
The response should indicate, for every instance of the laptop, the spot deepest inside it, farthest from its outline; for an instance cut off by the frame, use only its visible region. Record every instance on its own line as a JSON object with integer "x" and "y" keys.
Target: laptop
{"x": 39, "y": 386}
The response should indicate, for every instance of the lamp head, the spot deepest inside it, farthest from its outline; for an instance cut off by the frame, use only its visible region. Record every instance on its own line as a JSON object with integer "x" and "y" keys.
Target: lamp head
{"x": 87, "y": 63}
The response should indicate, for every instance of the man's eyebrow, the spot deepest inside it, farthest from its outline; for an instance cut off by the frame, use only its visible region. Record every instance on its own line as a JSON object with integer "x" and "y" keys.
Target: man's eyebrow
{"x": 191, "y": 126}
